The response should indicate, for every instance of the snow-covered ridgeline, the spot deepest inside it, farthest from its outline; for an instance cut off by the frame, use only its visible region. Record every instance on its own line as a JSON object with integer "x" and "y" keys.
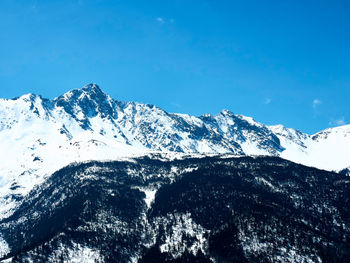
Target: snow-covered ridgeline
{"x": 39, "y": 136}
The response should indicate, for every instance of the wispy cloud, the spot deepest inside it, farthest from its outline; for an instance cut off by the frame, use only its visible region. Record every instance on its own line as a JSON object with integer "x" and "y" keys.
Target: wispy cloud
{"x": 315, "y": 103}
{"x": 175, "y": 104}
{"x": 267, "y": 101}
{"x": 338, "y": 122}
{"x": 160, "y": 20}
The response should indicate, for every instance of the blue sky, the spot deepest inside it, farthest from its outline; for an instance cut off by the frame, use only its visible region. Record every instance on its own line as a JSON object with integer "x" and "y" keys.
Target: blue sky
{"x": 278, "y": 61}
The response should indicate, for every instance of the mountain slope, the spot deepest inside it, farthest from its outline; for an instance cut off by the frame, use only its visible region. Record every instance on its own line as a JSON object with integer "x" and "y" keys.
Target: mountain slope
{"x": 210, "y": 209}
{"x": 39, "y": 136}
{"x": 328, "y": 149}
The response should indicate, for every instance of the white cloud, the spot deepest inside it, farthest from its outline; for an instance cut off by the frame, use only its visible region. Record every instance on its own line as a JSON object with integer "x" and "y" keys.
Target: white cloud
{"x": 338, "y": 122}
{"x": 160, "y": 20}
{"x": 267, "y": 101}
{"x": 316, "y": 102}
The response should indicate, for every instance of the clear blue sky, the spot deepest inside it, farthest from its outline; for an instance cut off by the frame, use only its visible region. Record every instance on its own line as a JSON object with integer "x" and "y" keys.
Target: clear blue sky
{"x": 278, "y": 61}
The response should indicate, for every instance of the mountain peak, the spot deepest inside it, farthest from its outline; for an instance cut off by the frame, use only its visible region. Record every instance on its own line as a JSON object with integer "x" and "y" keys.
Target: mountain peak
{"x": 91, "y": 92}
{"x": 226, "y": 112}
{"x": 88, "y": 101}
{"x": 92, "y": 88}
{"x": 28, "y": 97}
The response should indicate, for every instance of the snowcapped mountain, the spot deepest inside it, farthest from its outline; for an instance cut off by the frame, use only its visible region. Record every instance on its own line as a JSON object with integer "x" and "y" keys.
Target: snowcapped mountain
{"x": 328, "y": 149}
{"x": 39, "y": 136}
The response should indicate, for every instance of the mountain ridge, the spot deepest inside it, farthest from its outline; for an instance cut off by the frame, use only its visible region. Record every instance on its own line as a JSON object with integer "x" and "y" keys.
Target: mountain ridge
{"x": 39, "y": 136}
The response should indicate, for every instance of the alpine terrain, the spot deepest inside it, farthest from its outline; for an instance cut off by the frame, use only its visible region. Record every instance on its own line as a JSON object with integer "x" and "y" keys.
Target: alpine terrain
{"x": 87, "y": 178}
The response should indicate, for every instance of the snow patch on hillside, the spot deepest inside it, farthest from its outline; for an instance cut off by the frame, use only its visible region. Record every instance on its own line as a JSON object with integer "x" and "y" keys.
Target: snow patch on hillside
{"x": 150, "y": 195}
{"x": 4, "y": 247}
{"x": 178, "y": 228}
{"x": 77, "y": 253}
